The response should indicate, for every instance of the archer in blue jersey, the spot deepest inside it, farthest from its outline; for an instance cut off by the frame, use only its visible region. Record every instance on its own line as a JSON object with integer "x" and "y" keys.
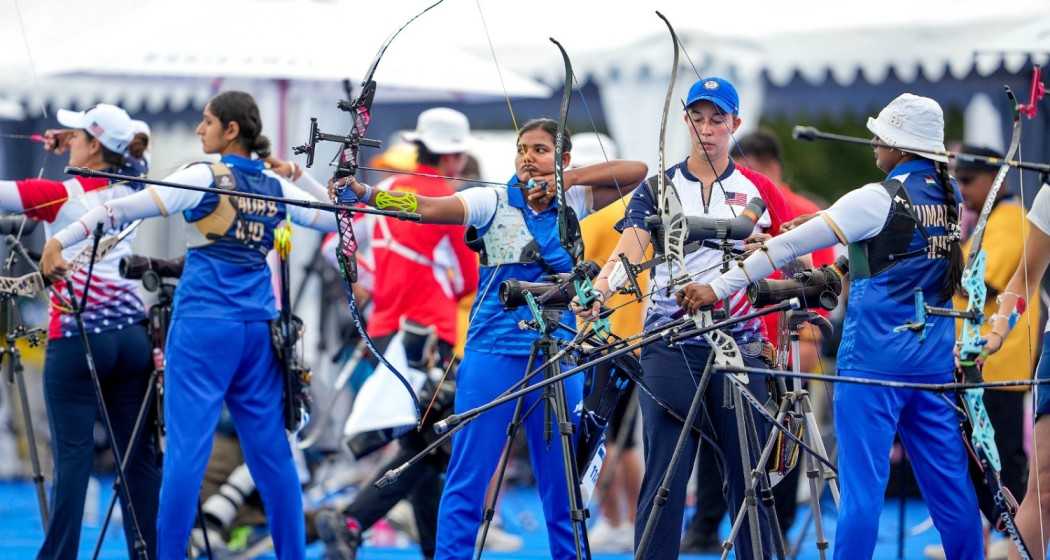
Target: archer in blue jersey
{"x": 219, "y": 346}
{"x": 516, "y": 232}
{"x": 903, "y": 236}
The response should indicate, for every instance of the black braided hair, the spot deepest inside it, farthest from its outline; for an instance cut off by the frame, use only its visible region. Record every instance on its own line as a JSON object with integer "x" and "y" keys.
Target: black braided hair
{"x": 952, "y": 282}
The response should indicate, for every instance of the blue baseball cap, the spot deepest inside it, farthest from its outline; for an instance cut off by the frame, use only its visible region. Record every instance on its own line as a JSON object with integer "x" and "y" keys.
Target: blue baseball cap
{"x": 719, "y": 91}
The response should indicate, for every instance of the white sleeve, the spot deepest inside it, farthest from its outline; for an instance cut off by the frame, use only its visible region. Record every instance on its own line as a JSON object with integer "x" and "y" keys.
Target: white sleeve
{"x": 1039, "y": 215}
{"x": 321, "y": 220}
{"x": 312, "y": 186}
{"x": 148, "y": 203}
{"x": 581, "y": 199}
{"x": 171, "y": 200}
{"x": 782, "y": 249}
{"x": 112, "y": 214}
{"x": 860, "y": 214}
{"x": 479, "y": 204}
{"x": 10, "y": 199}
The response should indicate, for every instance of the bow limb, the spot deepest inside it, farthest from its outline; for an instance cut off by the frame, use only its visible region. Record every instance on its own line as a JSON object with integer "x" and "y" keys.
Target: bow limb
{"x": 360, "y": 109}
{"x": 569, "y": 236}
{"x": 970, "y": 346}
{"x": 43, "y": 111}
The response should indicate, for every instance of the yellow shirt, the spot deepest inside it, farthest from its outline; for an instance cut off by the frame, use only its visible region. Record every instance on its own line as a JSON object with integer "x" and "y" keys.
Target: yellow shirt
{"x": 1004, "y": 247}
{"x": 599, "y": 241}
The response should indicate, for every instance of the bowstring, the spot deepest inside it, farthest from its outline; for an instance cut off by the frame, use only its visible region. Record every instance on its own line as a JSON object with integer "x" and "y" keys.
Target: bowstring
{"x": 481, "y": 294}
{"x": 820, "y": 354}
{"x": 1028, "y": 344}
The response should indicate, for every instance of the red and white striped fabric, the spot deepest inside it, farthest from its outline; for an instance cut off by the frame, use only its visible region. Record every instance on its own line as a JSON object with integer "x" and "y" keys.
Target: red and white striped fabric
{"x": 729, "y": 196}
{"x": 113, "y": 302}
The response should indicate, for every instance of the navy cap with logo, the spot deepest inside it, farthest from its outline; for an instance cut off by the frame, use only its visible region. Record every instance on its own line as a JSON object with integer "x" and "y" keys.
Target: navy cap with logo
{"x": 719, "y": 91}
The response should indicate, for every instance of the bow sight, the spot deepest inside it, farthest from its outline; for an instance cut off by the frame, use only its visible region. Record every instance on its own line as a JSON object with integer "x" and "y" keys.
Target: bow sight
{"x": 343, "y": 169}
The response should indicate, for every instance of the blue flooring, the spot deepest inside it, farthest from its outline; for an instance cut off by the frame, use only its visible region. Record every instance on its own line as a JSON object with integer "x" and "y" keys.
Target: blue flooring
{"x": 21, "y": 533}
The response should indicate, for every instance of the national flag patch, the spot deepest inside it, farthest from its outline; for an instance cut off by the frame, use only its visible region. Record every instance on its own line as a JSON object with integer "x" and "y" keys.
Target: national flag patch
{"x": 736, "y": 198}
{"x": 96, "y": 130}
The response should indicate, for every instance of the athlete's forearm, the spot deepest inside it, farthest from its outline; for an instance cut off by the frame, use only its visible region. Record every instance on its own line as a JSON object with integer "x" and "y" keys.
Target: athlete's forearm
{"x": 617, "y": 175}
{"x": 632, "y": 245}
{"x": 810, "y": 236}
{"x": 1028, "y": 273}
{"x": 433, "y": 209}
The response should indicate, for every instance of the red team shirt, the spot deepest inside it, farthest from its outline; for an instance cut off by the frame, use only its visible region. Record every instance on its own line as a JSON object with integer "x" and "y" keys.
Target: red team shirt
{"x": 421, "y": 271}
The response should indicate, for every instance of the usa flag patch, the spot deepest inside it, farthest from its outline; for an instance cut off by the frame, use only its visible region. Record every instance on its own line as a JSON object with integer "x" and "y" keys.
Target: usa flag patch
{"x": 737, "y": 198}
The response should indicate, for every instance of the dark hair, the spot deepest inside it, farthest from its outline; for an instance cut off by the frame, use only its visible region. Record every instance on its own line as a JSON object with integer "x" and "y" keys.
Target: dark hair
{"x": 472, "y": 169}
{"x": 760, "y": 144}
{"x": 240, "y": 107}
{"x": 136, "y": 148}
{"x": 952, "y": 282}
{"x": 424, "y": 156}
{"x": 963, "y": 164}
{"x": 550, "y": 126}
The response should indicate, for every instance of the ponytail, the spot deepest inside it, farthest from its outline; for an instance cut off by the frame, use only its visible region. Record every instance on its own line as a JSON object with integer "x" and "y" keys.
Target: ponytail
{"x": 952, "y": 282}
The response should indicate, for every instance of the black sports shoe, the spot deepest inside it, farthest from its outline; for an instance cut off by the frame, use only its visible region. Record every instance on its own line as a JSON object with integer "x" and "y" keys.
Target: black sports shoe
{"x": 341, "y": 534}
{"x": 694, "y": 542}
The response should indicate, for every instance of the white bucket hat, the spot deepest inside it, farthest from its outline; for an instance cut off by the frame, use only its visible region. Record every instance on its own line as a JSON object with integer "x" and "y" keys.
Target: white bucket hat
{"x": 441, "y": 130}
{"x": 110, "y": 124}
{"x": 912, "y": 121}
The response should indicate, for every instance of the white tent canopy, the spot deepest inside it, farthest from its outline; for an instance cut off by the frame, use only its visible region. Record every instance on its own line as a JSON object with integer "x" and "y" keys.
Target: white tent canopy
{"x": 147, "y": 52}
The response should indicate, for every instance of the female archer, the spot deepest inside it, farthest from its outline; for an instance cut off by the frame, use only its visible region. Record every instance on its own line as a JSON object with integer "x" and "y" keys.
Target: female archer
{"x": 516, "y": 231}
{"x": 219, "y": 345}
{"x": 102, "y": 138}
{"x": 709, "y": 184}
{"x": 903, "y": 236}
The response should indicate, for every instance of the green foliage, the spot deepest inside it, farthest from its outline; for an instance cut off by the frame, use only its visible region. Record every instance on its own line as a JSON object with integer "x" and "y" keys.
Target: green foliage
{"x": 827, "y": 170}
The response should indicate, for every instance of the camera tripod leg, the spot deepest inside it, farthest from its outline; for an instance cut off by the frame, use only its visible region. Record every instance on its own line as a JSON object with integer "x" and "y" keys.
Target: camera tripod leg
{"x": 140, "y": 420}
{"x": 16, "y": 374}
{"x": 665, "y": 484}
{"x": 577, "y": 509}
{"x": 512, "y": 430}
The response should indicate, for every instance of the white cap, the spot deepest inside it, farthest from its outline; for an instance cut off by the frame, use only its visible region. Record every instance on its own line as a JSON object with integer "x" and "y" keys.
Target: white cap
{"x": 912, "y": 121}
{"x": 138, "y": 126}
{"x": 441, "y": 130}
{"x": 589, "y": 148}
{"x": 110, "y": 124}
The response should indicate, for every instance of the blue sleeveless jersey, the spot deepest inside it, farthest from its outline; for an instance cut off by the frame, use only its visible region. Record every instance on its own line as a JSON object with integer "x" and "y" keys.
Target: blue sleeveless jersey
{"x": 494, "y": 329}
{"x": 879, "y": 304}
{"x": 229, "y": 278}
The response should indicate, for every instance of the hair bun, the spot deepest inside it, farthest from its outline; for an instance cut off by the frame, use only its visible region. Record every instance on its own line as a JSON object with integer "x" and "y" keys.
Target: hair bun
{"x": 261, "y": 146}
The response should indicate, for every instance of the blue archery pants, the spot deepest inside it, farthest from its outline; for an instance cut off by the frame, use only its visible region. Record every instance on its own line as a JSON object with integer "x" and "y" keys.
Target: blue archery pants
{"x": 476, "y": 450}
{"x": 210, "y": 362}
{"x": 673, "y": 374}
{"x": 866, "y": 420}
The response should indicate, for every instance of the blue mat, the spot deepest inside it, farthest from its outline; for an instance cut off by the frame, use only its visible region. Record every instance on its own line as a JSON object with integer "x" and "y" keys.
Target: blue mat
{"x": 21, "y": 534}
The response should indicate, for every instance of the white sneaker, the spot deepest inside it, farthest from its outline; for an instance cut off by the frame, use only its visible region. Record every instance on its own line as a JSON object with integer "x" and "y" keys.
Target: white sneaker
{"x": 402, "y": 517}
{"x": 498, "y": 540}
{"x": 934, "y": 552}
{"x": 603, "y": 537}
{"x": 1000, "y": 549}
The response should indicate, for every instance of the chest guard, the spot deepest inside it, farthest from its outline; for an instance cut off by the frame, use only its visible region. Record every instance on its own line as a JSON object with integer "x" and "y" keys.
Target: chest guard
{"x": 874, "y": 256}
{"x": 226, "y": 225}
{"x": 507, "y": 240}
